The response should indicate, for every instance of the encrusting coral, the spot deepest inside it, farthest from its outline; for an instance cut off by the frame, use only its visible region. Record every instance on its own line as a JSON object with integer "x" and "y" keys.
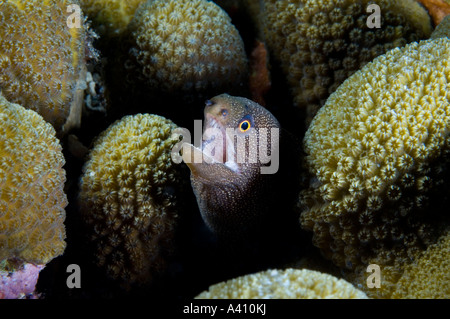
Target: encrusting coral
{"x": 378, "y": 152}
{"x": 20, "y": 283}
{"x": 128, "y": 196}
{"x": 110, "y": 17}
{"x": 32, "y": 199}
{"x": 187, "y": 47}
{"x": 429, "y": 276}
{"x": 42, "y": 62}
{"x": 284, "y": 284}
{"x": 319, "y": 43}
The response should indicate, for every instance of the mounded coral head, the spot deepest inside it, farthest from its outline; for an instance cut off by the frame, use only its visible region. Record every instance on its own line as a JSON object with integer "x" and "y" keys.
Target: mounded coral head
{"x": 41, "y": 58}
{"x": 284, "y": 284}
{"x": 187, "y": 47}
{"x": 32, "y": 199}
{"x": 111, "y": 17}
{"x": 128, "y": 197}
{"x": 320, "y": 43}
{"x": 378, "y": 152}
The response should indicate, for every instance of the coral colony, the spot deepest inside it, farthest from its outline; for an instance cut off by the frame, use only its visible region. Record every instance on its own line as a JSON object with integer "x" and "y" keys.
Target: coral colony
{"x": 40, "y": 61}
{"x": 333, "y": 183}
{"x": 321, "y": 43}
{"x": 124, "y": 199}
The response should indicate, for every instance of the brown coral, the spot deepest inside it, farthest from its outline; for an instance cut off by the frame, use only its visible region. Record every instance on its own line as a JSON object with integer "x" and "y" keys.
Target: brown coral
{"x": 41, "y": 58}
{"x": 187, "y": 47}
{"x": 321, "y": 43}
{"x": 128, "y": 197}
{"x": 378, "y": 152}
{"x": 284, "y": 284}
{"x": 32, "y": 200}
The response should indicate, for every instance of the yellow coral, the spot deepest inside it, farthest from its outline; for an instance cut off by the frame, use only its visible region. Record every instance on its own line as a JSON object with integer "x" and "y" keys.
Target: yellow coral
{"x": 32, "y": 199}
{"x": 187, "y": 46}
{"x": 41, "y": 58}
{"x": 429, "y": 276}
{"x": 284, "y": 284}
{"x": 320, "y": 43}
{"x": 442, "y": 30}
{"x": 128, "y": 196}
{"x": 378, "y": 152}
{"x": 111, "y": 17}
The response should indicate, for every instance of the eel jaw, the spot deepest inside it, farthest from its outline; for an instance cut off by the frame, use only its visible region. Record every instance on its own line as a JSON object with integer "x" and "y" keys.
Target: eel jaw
{"x": 215, "y": 160}
{"x": 217, "y": 144}
{"x": 206, "y": 167}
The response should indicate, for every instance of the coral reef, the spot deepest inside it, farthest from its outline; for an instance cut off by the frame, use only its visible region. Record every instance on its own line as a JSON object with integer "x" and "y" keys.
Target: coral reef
{"x": 88, "y": 105}
{"x": 32, "y": 199}
{"x": 321, "y": 43}
{"x": 442, "y": 30}
{"x": 110, "y": 17}
{"x": 187, "y": 47}
{"x": 428, "y": 276}
{"x": 284, "y": 284}
{"x": 128, "y": 197}
{"x": 378, "y": 152}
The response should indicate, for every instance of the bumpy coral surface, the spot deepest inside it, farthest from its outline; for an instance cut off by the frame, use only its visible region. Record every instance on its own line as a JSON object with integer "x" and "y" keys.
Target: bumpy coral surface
{"x": 429, "y": 276}
{"x": 378, "y": 152}
{"x": 41, "y": 58}
{"x": 128, "y": 196}
{"x": 32, "y": 200}
{"x": 188, "y": 46}
{"x": 284, "y": 284}
{"x": 320, "y": 43}
{"x": 110, "y": 16}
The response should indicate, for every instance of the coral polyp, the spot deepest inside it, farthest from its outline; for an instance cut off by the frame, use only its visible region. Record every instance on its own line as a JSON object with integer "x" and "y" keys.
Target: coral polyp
{"x": 42, "y": 59}
{"x": 315, "y": 132}
{"x": 378, "y": 152}
{"x": 187, "y": 47}
{"x": 321, "y": 43}
{"x": 110, "y": 17}
{"x": 32, "y": 198}
{"x": 128, "y": 197}
{"x": 428, "y": 277}
{"x": 284, "y": 284}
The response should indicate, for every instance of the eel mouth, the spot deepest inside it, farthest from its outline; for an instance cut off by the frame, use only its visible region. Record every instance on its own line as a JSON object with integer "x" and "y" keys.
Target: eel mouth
{"x": 216, "y": 148}
{"x": 217, "y": 143}
{"x": 214, "y": 139}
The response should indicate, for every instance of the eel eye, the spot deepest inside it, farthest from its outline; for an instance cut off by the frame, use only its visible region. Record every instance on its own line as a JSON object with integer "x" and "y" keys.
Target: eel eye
{"x": 244, "y": 126}
{"x": 224, "y": 112}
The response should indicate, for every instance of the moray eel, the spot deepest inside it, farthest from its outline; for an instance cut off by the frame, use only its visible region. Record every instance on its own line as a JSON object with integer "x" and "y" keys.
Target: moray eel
{"x": 231, "y": 173}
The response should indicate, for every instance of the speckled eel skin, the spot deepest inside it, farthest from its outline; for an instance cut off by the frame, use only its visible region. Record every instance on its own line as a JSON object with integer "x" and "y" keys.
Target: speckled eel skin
{"x": 227, "y": 173}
